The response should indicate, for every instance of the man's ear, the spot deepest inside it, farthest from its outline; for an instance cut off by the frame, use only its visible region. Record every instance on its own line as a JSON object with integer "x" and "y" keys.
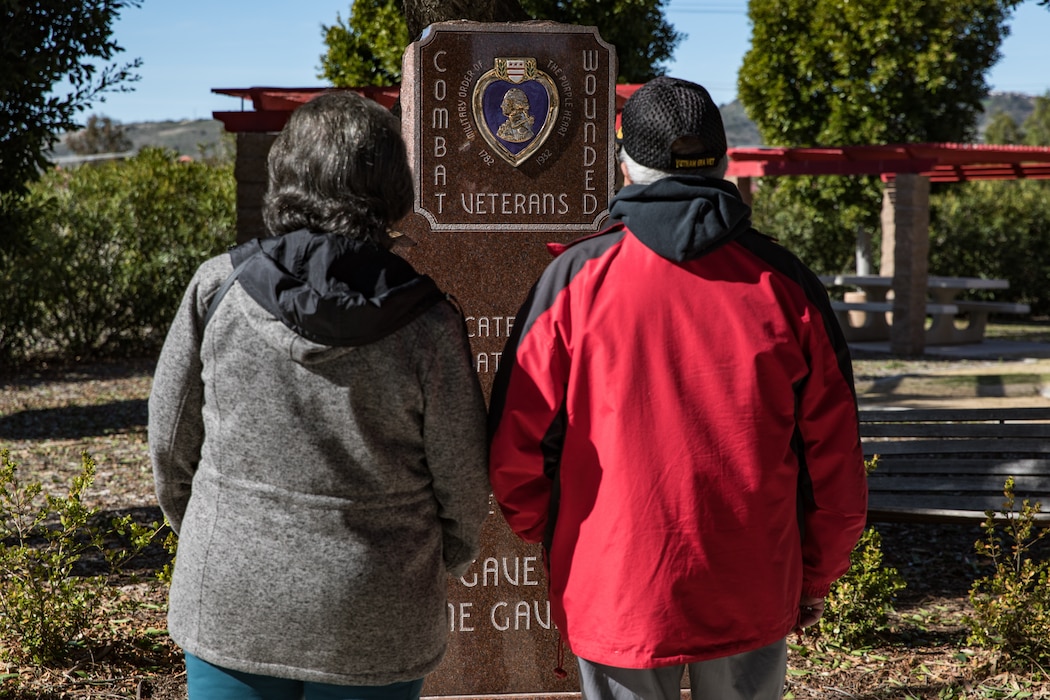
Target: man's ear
{"x": 626, "y": 177}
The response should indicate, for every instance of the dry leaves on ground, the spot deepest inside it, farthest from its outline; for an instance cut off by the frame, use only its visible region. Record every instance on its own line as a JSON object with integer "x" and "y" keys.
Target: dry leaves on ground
{"x": 48, "y": 418}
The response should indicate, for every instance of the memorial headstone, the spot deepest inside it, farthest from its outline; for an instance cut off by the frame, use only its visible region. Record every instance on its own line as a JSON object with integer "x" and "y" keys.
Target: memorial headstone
{"x": 510, "y": 131}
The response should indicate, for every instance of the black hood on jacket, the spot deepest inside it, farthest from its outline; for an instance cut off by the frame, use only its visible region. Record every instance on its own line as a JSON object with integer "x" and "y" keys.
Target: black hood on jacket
{"x": 332, "y": 289}
{"x": 684, "y": 216}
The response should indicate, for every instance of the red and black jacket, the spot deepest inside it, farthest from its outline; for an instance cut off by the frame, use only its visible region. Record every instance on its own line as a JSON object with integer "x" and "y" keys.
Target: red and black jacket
{"x": 675, "y": 419}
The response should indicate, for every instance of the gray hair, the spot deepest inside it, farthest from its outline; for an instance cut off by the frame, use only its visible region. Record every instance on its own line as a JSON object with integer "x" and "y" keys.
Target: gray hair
{"x": 339, "y": 166}
{"x": 644, "y": 175}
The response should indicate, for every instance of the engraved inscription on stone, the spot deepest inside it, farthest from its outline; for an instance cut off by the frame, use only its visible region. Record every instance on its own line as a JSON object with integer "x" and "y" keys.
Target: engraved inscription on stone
{"x": 510, "y": 132}
{"x": 480, "y": 329}
{"x": 501, "y": 614}
{"x": 512, "y": 123}
{"x": 502, "y": 636}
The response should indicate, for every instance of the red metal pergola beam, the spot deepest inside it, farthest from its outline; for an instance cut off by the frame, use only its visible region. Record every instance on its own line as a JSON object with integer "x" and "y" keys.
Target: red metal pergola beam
{"x": 989, "y": 172}
{"x": 825, "y": 167}
{"x": 941, "y": 162}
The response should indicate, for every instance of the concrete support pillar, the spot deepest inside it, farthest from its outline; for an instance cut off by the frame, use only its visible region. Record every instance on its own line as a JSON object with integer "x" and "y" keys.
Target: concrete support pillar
{"x": 905, "y": 253}
{"x": 250, "y": 173}
{"x": 863, "y": 251}
{"x": 744, "y": 185}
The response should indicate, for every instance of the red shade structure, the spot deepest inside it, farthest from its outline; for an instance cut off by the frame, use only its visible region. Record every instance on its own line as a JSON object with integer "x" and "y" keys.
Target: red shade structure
{"x": 940, "y": 162}
{"x": 271, "y": 106}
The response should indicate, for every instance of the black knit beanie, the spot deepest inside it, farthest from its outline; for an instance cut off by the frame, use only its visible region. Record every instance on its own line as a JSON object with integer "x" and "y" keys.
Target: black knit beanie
{"x": 671, "y": 124}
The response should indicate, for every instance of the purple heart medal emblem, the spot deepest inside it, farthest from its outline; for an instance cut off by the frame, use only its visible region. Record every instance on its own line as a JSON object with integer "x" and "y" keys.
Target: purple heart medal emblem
{"x": 515, "y": 106}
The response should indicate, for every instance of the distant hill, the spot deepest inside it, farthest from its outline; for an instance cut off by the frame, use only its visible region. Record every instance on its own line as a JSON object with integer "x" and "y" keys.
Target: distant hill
{"x": 740, "y": 131}
{"x": 187, "y": 137}
{"x": 190, "y": 137}
{"x": 1016, "y": 104}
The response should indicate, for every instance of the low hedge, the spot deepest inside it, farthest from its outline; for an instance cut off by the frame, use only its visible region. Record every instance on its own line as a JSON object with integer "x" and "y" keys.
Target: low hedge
{"x": 100, "y": 255}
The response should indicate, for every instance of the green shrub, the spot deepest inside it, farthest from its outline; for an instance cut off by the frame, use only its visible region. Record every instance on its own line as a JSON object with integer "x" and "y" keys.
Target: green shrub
{"x": 1012, "y": 604}
{"x": 995, "y": 229}
{"x": 46, "y": 605}
{"x": 858, "y": 606}
{"x": 818, "y": 218}
{"x": 20, "y": 307}
{"x": 106, "y": 251}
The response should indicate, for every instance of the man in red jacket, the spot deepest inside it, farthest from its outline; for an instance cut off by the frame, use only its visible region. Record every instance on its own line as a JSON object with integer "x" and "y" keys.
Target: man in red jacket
{"x": 675, "y": 419}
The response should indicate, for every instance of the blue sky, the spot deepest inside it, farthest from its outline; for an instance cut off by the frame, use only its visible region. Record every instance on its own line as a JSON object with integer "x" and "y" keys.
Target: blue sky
{"x": 189, "y": 47}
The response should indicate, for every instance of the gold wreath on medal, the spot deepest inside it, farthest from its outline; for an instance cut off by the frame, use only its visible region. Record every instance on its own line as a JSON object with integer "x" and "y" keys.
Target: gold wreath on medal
{"x": 515, "y": 106}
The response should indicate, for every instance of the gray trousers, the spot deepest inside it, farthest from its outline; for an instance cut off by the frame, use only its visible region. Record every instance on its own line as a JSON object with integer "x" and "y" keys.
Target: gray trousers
{"x": 752, "y": 675}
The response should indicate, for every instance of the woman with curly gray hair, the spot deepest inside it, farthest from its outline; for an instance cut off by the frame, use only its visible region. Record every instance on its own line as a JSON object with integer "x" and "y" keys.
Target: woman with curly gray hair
{"x": 317, "y": 434}
{"x": 340, "y": 167}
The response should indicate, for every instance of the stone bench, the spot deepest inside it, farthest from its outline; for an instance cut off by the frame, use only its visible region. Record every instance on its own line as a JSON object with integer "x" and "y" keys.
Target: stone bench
{"x": 868, "y": 320}
{"x": 945, "y": 330}
{"x": 950, "y": 465}
{"x": 873, "y": 324}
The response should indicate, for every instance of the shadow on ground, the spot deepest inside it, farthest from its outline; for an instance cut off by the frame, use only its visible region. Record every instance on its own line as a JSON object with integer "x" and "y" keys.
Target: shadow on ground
{"x": 72, "y": 422}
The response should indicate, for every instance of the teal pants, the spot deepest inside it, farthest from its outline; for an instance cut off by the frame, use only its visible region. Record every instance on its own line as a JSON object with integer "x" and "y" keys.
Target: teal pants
{"x": 205, "y": 681}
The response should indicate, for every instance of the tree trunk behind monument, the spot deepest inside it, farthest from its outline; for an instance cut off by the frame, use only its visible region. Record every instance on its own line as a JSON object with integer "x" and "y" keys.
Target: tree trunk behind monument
{"x": 420, "y": 14}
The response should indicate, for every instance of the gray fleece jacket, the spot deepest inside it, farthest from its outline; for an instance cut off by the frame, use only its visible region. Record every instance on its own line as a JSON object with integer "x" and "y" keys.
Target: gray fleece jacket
{"x": 322, "y": 491}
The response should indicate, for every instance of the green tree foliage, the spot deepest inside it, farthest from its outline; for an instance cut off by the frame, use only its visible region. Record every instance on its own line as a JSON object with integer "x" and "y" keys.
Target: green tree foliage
{"x": 46, "y": 45}
{"x": 1035, "y": 131}
{"x": 110, "y": 250}
{"x": 643, "y": 38}
{"x": 367, "y": 49}
{"x": 101, "y": 135}
{"x": 1002, "y": 129}
{"x": 828, "y": 73}
{"x": 994, "y": 229}
{"x": 820, "y": 218}
{"x": 420, "y": 14}
{"x": 1036, "y": 127}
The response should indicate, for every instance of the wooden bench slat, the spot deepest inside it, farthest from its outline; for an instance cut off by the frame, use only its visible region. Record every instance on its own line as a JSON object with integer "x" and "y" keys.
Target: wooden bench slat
{"x": 984, "y": 465}
{"x": 1025, "y": 486}
{"x": 939, "y": 415}
{"x": 862, "y": 305}
{"x": 983, "y": 445}
{"x": 912, "y": 514}
{"x": 955, "y": 307}
{"x": 976, "y": 503}
{"x": 950, "y": 465}
{"x": 956, "y": 430}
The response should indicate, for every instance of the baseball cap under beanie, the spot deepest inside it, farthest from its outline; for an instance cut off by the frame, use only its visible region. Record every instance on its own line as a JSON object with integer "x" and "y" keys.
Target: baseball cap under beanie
{"x": 670, "y": 124}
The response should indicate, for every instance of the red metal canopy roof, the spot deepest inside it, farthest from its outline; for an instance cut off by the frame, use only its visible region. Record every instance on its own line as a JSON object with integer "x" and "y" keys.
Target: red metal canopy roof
{"x": 941, "y": 162}
{"x": 271, "y": 106}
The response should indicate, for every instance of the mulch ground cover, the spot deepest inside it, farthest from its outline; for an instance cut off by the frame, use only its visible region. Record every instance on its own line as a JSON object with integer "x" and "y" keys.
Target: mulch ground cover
{"x": 49, "y": 417}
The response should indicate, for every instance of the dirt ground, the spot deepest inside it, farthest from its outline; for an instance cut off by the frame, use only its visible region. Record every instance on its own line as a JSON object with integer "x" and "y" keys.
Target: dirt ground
{"x": 49, "y": 417}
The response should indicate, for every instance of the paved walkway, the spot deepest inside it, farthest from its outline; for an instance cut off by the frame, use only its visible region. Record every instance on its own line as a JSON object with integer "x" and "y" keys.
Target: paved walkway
{"x": 995, "y": 373}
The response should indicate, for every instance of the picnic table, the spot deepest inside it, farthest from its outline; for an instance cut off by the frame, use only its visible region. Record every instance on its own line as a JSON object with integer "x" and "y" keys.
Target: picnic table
{"x": 870, "y": 319}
